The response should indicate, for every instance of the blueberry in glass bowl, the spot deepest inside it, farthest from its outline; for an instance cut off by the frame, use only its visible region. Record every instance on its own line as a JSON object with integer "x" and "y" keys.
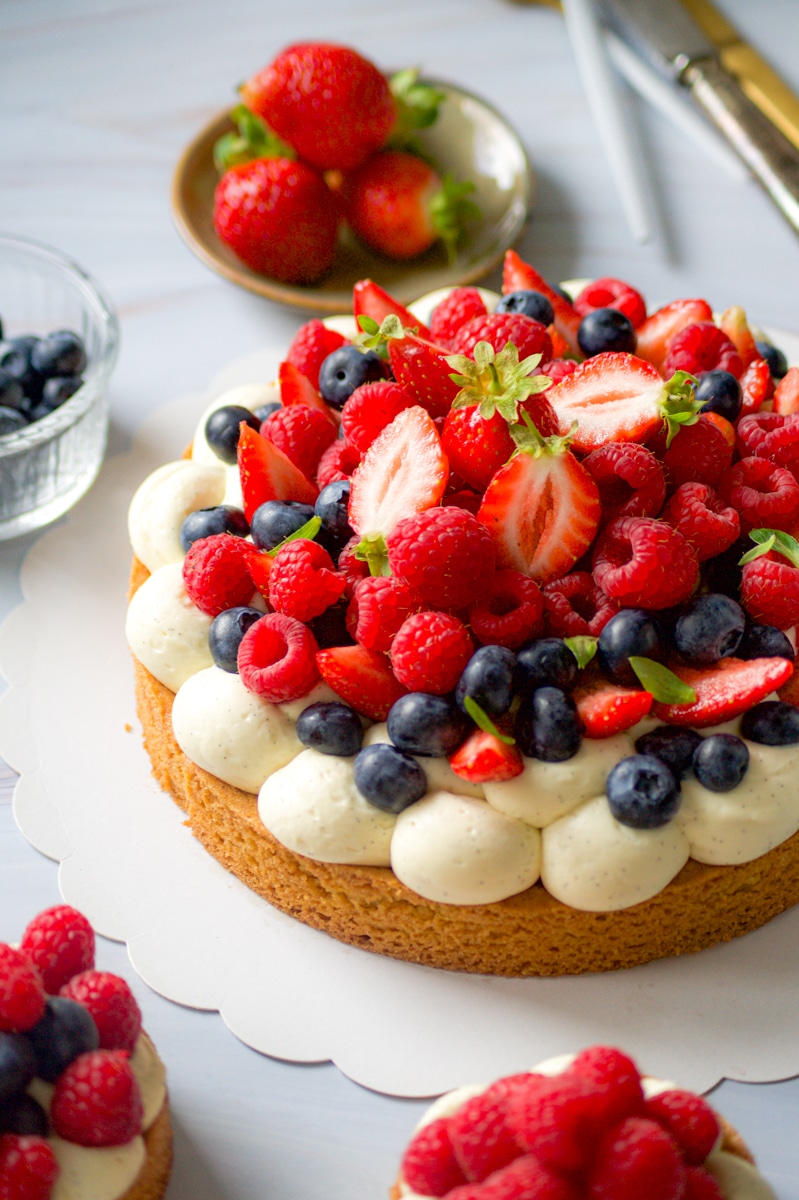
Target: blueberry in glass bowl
{"x": 59, "y": 344}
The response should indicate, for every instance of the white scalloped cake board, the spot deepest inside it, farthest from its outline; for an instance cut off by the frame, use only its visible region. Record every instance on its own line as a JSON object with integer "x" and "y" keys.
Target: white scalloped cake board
{"x": 199, "y": 937}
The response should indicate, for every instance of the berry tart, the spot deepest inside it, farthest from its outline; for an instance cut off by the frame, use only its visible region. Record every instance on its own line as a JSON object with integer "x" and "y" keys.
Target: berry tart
{"x": 577, "y": 1127}
{"x": 469, "y": 640}
{"x": 83, "y": 1104}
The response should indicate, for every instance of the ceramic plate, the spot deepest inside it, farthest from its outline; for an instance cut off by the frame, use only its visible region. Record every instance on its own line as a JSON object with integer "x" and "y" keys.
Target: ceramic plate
{"x": 470, "y": 139}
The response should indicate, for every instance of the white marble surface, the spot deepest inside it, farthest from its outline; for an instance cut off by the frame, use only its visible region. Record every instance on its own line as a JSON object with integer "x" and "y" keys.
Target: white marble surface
{"x": 98, "y": 97}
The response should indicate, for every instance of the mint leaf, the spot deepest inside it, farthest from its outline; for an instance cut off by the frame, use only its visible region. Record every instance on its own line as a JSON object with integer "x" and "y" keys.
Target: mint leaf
{"x": 484, "y": 722}
{"x": 772, "y": 539}
{"x": 309, "y": 530}
{"x": 664, "y": 685}
{"x": 583, "y": 647}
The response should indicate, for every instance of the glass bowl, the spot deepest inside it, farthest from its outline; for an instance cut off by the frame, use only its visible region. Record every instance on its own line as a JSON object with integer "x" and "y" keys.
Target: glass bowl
{"x": 48, "y": 465}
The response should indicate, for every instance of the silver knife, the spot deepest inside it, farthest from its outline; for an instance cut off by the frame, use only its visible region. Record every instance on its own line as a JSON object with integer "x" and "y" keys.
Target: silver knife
{"x": 664, "y": 33}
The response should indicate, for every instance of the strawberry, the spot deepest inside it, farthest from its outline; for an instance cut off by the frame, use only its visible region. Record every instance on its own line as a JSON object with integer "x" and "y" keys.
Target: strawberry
{"x": 421, "y": 367}
{"x": 297, "y": 388}
{"x": 268, "y": 474}
{"x": 396, "y": 204}
{"x": 362, "y": 678}
{"x": 369, "y": 409}
{"x": 483, "y": 758}
{"x": 332, "y": 106}
{"x": 311, "y": 345}
{"x": 733, "y": 324}
{"x": 786, "y": 395}
{"x": 657, "y": 332}
{"x": 606, "y": 708}
{"x": 725, "y": 690}
{"x": 757, "y": 385}
{"x": 404, "y": 471}
{"x": 542, "y": 508}
{"x": 518, "y": 275}
{"x": 369, "y": 300}
{"x": 279, "y": 217}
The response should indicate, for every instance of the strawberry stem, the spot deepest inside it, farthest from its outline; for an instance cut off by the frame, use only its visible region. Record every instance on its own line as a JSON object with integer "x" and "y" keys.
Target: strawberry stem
{"x": 678, "y": 404}
{"x": 373, "y": 550}
{"x": 495, "y": 382}
{"x": 253, "y": 139}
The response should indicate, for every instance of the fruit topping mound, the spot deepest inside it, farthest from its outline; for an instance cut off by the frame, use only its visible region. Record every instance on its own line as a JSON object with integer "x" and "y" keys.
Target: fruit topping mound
{"x": 596, "y": 1130}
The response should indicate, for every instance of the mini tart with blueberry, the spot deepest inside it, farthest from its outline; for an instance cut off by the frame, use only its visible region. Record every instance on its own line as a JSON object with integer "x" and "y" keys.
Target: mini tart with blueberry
{"x": 475, "y": 663}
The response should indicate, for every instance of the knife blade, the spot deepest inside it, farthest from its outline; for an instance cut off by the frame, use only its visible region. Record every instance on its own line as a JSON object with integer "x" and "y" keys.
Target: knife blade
{"x": 666, "y": 34}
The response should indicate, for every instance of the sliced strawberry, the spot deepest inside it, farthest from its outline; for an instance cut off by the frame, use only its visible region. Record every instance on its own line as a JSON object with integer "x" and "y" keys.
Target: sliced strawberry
{"x": 786, "y": 396}
{"x": 613, "y": 397}
{"x": 268, "y": 474}
{"x": 724, "y": 690}
{"x": 369, "y": 300}
{"x": 403, "y": 472}
{"x": 656, "y": 333}
{"x": 362, "y": 678}
{"x": 606, "y": 708}
{"x": 542, "y": 508}
{"x": 733, "y": 323}
{"x": 757, "y": 385}
{"x": 259, "y": 568}
{"x": 477, "y": 447}
{"x": 483, "y": 758}
{"x": 517, "y": 275}
{"x": 421, "y": 368}
{"x": 296, "y": 388}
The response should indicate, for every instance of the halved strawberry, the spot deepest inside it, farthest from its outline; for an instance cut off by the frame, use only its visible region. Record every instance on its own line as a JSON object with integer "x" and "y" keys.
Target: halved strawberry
{"x": 613, "y": 397}
{"x": 369, "y": 300}
{"x": 786, "y": 395}
{"x": 542, "y": 508}
{"x": 733, "y": 323}
{"x": 363, "y": 678}
{"x": 403, "y": 472}
{"x": 656, "y": 333}
{"x": 725, "y": 690}
{"x": 483, "y": 758}
{"x": 296, "y": 388}
{"x": 478, "y": 446}
{"x": 606, "y": 708}
{"x": 757, "y": 385}
{"x": 517, "y": 275}
{"x": 268, "y": 474}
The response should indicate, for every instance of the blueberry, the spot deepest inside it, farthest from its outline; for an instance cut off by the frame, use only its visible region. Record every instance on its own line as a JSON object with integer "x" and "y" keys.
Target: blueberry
{"x": 605, "y": 329}
{"x": 24, "y": 1117}
{"x": 330, "y": 627}
{"x": 227, "y": 630}
{"x": 17, "y": 1066}
{"x": 389, "y": 779}
{"x": 777, "y": 362}
{"x": 222, "y": 430}
{"x": 673, "y": 745}
{"x": 547, "y": 662}
{"x": 345, "y": 370}
{"x": 207, "y": 522}
{"x": 58, "y": 390}
{"x": 12, "y": 394}
{"x": 632, "y": 632}
{"x": 642, "y": 792}
{"x": 432, "y": 726}
{"x": 765, "y": 641}
{"x": 264, "y": 411}
{"x": 529, "y": 304}
{"x": 15, "y": 358}
{"x": 276, "y": 520}
{"x": 710, "y": 629}
{"x": 65, "y": 1031}
{"x": 11, "y": 420}
{"x": 721, "y": 761}
{"x": 331, "y": 729}
{"x": 771, "y": 723}
{"x": 720, "y": 392}
{"x": 547, "y": 726}
{"x": 489, "y": 678}
{"x": 332, "y": 508}
{"x": 60, "y": 353}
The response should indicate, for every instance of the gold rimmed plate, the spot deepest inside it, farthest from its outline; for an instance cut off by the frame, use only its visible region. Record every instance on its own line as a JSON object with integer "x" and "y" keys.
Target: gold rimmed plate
{"x": 471, "y": 140}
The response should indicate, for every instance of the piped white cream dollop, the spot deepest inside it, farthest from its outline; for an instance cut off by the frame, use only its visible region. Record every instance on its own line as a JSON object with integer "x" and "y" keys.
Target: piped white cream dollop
{"x": 165, "y": 631}
{"x": 440, "y": 775}
{"x": 246, "y": 395}
{"x": 162, "y": 503}
{"x": 231, "y": 732}
{"x": 457, "y": 850}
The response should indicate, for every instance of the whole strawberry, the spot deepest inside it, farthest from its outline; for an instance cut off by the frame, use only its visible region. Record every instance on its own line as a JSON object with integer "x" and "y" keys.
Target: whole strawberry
{"x": 279, "y": 217}
{"x": 332, "y": 106}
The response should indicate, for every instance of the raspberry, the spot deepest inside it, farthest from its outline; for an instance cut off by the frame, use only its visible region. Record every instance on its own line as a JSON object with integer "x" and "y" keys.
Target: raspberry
{"x": 461, "y": 305}
{"x": 527, "y": 335}
{"x": 216, "y": 573}
{"x": 430, "y": 652}
{"x": 302, "y": 433}
{"x": 617, "y": 1074}
{"x": 575, "y": 605}
{"x": 770, "y": 591}
{"x": 770, "y": 435}
{"x": 362, "y": 678}
{"x": 630, "y": 480}
{"x": 378, "y": 608}
{"x": 429, "y": 1166}
{"x": 702, "y": 347}
{"x": 637, "y": 1158}
{"x": 277, "y": 659}
{"x": 28, "y": 1168}
{"x": 559, "y": 1120}
{"x": 480, "y": 1137}
{"x": 303, "y": 581}
{"x": 370, "y": 408}
{"x": 312, "y": 343}
{"x": 522, "y": 1179}
{"x": 558, "y": 369}
{"x": 701, "y": 1185}
{"x": 351, "y": 568}
{"x": 643, "y": 563}
{"x": 60, "y": 943}
{"x": 689, "y": 1119}
{"x": 764, "y": 495}
{"x": 21, "y": 991}
{"x": 612, "y": 293}
{"x": 445, "y": 554}
{"x": 510, "y": 613}
{"x": 111, "y": 1004}
{"x": 97, "y": 1101}
{"x": 700, "y": 453}
{"x": 701, "y": 516}
{"x": 338, "y": 462}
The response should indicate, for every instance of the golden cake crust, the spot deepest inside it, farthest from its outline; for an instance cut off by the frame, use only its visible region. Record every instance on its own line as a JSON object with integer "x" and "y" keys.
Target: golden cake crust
{"x": 150, "y": 1183}
{"x": 528, "y": 934}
